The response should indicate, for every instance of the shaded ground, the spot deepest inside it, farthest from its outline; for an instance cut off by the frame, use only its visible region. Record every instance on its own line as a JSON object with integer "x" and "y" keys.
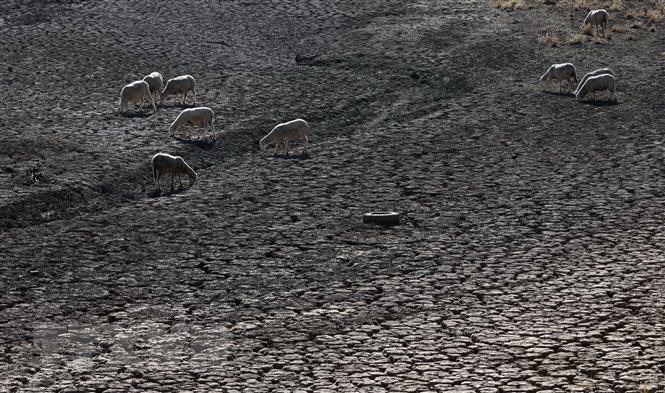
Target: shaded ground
{"x": 530, "y": 255}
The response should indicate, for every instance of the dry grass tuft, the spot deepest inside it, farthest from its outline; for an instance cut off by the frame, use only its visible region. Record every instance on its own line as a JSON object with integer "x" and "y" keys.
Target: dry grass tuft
{"x": 615, "y": 5}
{"x": 644, "y": 388}
{"x": 655, "y": 16}
{"x": 587, "y": 30}
{"x": 576, "y": 5}
{"x": 635, "y": 13}
{"x": 509, "y": 4}
{"x": 548, "y": 39}
{"x": 623, "y": 28}
{"x": 577, "y": 39}
{"x": 599, "y": 41}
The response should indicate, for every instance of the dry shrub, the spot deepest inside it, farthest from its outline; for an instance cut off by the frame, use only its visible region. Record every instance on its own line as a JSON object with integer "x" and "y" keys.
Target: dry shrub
{"x": 577, "y": 5}
{"x": 655, "y": 16}
{"x": 615, "y": 5}
{"x": 577, "y": 39}
{"x": 509, "y": 4}
{"x": 599, "y": 41}
{"x": 635, "y": 13}
{"x": 623, "y": 28}
{"x": 587, "y": 29}
{"x": 548, "y": 39}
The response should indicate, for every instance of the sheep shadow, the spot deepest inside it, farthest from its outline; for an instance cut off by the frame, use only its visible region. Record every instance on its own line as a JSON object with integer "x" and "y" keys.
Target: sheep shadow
{"x": 599, "y": 103}
{"x": 202, "y": 143}
{"x": 558, "y": 93}
{"x": 157, "y": 193}
{"x": 139, "y": 114}
{"x": 299, "y": 156}
{"x": 177, "y": 105}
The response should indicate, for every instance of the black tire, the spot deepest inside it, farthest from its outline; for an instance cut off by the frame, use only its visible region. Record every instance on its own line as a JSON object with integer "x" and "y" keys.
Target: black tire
{"x": 381, "y": 218}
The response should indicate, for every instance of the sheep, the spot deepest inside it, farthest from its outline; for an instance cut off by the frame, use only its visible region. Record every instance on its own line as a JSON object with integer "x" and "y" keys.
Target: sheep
{"x": 136, "y": 91}
{"x": 201, "y": 116}
{"x": 597, "y": 18}
{"x": 155, "y": 81}
{"x": 180, "y": 85}
{"x": 599, "y": 71}
{"x": 597, "y": 83}
{"x": 165, "y": 163}
{"x": 284, "y": 133}
{"x": 560, "y": 72}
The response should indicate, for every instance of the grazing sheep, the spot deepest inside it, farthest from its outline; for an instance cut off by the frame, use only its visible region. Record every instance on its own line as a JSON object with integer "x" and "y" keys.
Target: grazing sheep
{"x": 284, "y": 133}
{"x": 599, "y": 71}
{"x": 597, "y": 83}
{"x": 165, "y": 163}
{"x": 180, "y": 85}
{"x": 136, "y": 91}
{"x": 155, "y": 82}
{"x": 560, "y": 72}
{"x": 597, "y": 18}
{"x": 201, "y": 116}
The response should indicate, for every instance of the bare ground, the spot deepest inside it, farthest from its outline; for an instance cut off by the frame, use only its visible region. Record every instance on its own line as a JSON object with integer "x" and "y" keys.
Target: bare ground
{"x": 530, "y": 252}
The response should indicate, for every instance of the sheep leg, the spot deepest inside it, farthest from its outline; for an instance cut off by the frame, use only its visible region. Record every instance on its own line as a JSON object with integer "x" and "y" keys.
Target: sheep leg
{"x": 172, "y": 176}
{"x": 184, "y": 98}
{"x": 194, "y": 94}
{"x": 212, "y": 129}
{"x": 276, "y": 146}
{"x": 152, "y": 101}
{"x": 286, "y": 146}
{"x": 304, "y": 149}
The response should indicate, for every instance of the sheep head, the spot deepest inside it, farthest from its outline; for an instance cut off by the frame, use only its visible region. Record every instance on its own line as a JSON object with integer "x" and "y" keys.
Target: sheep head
{"x": 193, "y": 177}
{"x": 264, "y": 142}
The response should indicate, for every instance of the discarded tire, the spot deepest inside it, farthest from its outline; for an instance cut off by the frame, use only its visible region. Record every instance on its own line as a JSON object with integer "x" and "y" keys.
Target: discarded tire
{"x": 381, "y": 218}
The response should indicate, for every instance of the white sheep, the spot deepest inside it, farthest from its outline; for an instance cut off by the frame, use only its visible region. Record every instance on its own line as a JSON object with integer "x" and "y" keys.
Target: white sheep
{"x": 599, "y": 71}
{"x": 560, "y": 72}
{"x": 163, "y": 163}
{"x": 201, "y": 116}
{"x": 284, "y": 133}
{"x": 155, "y": 81}
{"x": 597, "y": 18}
{"x": 180, "y": 85}
{"x": 136, "y": 91}
{"x": 597, "y": 83}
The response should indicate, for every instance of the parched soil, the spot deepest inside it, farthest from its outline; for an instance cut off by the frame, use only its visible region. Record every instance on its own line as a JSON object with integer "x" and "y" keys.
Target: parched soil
{"x": 530, "y": 254}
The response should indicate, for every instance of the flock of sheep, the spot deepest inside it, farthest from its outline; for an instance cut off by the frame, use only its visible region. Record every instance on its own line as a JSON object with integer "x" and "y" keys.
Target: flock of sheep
{"x": 601, "y": 79}
{"x": 150, "y": 89}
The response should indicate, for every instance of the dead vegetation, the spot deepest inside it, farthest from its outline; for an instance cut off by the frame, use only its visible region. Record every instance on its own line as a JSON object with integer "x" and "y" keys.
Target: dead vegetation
{"x": 622, "y": 28}
{"x": 577, "y": 39}
{"x": 509, "y": 4}
{"x": 549, "y": 39}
